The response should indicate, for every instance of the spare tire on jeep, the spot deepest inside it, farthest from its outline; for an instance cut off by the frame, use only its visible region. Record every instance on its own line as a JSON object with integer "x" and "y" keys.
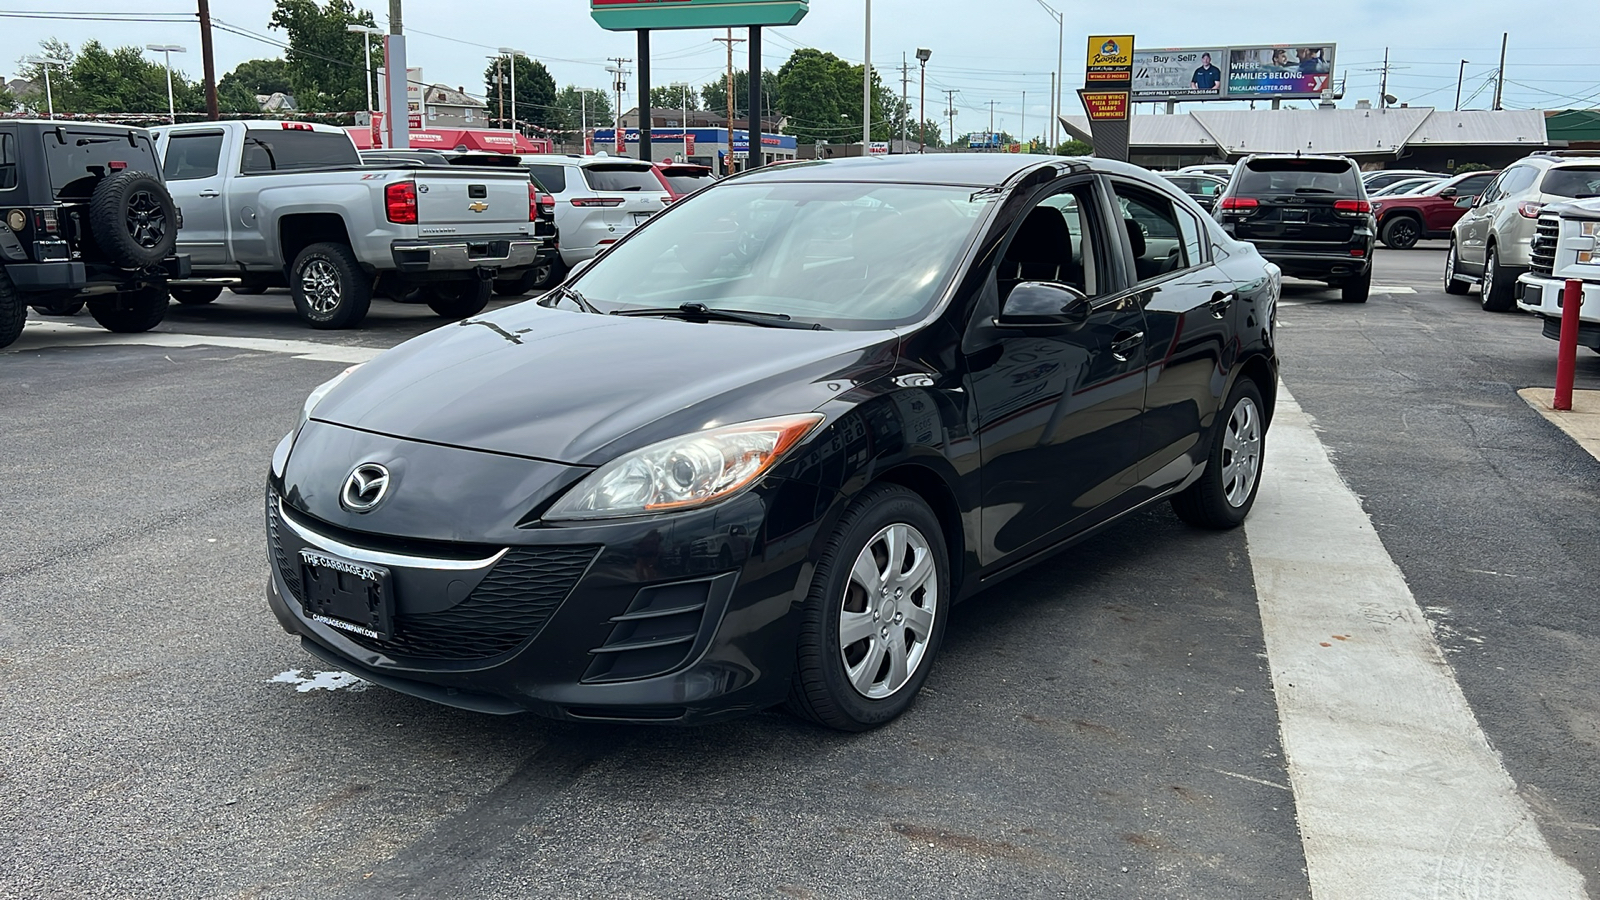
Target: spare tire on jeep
{"x": 134, "y": 220}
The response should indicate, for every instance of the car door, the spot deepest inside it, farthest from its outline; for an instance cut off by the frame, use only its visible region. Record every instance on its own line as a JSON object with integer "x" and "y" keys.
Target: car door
{"x": 1058, "y": 411}
{"x": 192, "y": 166}
{"x": 1191, "y": 314}
{"x": 1473, "y": 228}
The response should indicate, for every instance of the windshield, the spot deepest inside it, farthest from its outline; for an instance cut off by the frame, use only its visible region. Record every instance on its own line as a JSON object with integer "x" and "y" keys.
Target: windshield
{"x": 846, "y": 255}
{"x": 685, "y": 184}
{"x": 1572, "y": 182}
{"x": 1298, "y": 176}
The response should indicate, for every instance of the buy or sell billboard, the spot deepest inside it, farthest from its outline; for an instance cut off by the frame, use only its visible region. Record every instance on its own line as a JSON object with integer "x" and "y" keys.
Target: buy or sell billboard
{"x": 1251, "y": 72}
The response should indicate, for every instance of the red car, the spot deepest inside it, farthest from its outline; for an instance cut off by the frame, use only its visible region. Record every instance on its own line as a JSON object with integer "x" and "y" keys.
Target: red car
{"x": 683, "y": 179}
{"x": 1407, "y": 218}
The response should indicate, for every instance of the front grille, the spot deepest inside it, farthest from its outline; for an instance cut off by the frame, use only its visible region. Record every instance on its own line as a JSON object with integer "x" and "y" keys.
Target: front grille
{"x": 655, "y": 635}
{"x": 1542, "y": 250}
{"x": 289, "y": 572}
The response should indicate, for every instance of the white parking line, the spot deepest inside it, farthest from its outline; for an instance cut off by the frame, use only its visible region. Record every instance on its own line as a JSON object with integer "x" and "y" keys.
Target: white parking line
{"x": 37, "y": 335}
{"x": 1392, "y": 289}
{"x": 1398, "y": 792}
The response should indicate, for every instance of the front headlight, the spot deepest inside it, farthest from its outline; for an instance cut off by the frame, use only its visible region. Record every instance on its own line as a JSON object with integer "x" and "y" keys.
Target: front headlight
{"x": 684, "y": 472}
{"x": 321, "y": 391}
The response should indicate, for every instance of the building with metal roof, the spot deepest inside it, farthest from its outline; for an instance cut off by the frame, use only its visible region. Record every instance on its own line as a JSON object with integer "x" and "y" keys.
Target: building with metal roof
{"x": 1410, "y": 137}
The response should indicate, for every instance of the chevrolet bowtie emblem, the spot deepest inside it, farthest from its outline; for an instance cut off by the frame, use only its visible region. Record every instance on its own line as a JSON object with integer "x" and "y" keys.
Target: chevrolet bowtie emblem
{"x": 477, "y": 206}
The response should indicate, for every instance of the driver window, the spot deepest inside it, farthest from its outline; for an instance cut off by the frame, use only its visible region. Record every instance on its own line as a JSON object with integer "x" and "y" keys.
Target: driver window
{"x": 1052, "y": 244}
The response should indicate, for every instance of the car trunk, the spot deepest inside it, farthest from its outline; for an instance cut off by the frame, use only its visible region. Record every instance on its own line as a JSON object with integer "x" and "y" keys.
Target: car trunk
{"x": 473, "y": 202}
{"x": 636, "y": 185}
{"x": 1296, "y": 200}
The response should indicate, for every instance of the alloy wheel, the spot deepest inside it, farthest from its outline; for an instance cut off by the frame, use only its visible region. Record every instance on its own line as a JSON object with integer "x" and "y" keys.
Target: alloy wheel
{"x": 889, "y": 608}
{"x": 321, "y": 282}
{"x": 147, "y": 221}
{"x": 1450, "y": 265}
{"x": 1241, "y": 452}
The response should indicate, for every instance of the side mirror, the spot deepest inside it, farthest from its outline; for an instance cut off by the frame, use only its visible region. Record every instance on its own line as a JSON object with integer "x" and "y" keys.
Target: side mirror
{"x": 1037, "y": 304}
{"x": 1448, "y": 192}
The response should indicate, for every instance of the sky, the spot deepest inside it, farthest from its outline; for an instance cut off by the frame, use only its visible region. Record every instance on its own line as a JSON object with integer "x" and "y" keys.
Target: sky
{"x": 996, "y": 54}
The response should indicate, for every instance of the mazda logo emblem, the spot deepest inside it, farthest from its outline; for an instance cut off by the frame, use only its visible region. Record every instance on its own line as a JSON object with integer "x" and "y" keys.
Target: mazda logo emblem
{"x": 365, "y": 488}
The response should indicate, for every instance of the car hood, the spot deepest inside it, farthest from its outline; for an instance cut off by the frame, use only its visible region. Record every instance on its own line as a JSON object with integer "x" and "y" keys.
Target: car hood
{"x": 580, "y": 388}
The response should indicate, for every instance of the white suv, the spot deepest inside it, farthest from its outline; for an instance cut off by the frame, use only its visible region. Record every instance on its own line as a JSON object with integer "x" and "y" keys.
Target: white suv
{"x": 599, "y": 199}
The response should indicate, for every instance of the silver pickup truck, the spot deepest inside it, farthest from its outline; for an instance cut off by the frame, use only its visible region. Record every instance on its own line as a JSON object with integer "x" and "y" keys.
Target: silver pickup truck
{"x": 289, "y": 203}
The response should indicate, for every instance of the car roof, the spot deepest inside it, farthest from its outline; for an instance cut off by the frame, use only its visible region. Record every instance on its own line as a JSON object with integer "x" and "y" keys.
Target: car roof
{"x": 965, "y": 169}
{"x": 570, "y": 160}
{"x": 70, "y": 123}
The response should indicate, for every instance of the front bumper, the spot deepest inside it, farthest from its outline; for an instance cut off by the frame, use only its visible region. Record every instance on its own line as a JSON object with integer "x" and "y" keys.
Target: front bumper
{"x": 455, "y": 254}
{"x": 1542, "y": 296}
{"x": 622, "y": 621}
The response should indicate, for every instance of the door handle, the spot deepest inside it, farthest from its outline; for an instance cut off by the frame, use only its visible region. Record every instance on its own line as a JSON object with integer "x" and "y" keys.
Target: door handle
{"x": 1219, "y": 304}
{"x": 210, "y": 193}
{"x": 1121, "y": 346}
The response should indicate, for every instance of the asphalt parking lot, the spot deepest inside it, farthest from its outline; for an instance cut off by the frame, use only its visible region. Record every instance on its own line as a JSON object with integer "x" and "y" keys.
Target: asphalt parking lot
{"x": 1106, "y": 725}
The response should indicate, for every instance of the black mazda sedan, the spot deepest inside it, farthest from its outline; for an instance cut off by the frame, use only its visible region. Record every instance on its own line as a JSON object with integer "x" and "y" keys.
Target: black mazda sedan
{"x": 755, "y": 453}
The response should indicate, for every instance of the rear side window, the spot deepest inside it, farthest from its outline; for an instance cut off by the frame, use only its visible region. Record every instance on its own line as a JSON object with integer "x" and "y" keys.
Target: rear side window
{"x": 8, "y": 161}
{"x": 1298, "y": 176}
{"x": 290, "y": 149}
{"x": 191, "y": 156}
{"x": 1572, "y": 182}
{"x": 77, "y": 159}
{"x": 1516, "y": 180}
{"x": 552, "y": 178}
{"x": 622, "y": 178}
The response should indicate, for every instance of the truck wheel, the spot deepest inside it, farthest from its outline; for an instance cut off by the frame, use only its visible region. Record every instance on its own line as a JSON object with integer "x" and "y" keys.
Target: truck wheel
{"x": 329, "y": 288}
{"x": 1497, "y": 295}
{"x": 133, "y": 219}
{"x": 458, "y": 299}
{"x": 525, "y": 282}
{"x": 195, "y": 294}
{"x": 13, "y": 312}
{"x": 1356, "y": 289}
{"x": 1452, "y": 264}
{"x": 1401, "y": 233}
{"x": 130, "y": 312}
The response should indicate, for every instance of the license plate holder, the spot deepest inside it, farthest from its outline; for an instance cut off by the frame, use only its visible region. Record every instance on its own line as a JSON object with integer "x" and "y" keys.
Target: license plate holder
{"x": 350, "y": 596}
{"x": 639, "y": 218}
{"x": 1298, "y": 216}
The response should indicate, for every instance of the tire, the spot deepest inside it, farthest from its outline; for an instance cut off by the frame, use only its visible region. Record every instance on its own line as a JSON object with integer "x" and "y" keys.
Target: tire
{"x": 133, "y": 219}
{"x": 1358, "y": 288}
{"x": 525, "y": 282}
{"x": 130, "y": 312}
{"x": 1401, "y": 233}
{"x": 1452, "y": 284}
{"x": 1497, "y": 295}
{"x": 851, "y": 573}
{"x": 551, "y": 273}
{"x": 330, "y": 289}
{"x": 458, "y": 299}
{"x": 1227, "y": 488}
{"x": 249, "y": 288}
{"x": 13, "y": 312}
{"x": 195, "y": 295}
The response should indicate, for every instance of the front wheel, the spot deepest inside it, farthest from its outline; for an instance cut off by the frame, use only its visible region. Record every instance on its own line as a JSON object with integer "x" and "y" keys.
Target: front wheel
{"x": 1401, "y": 233}
{"x": 1227, "y": 488}
{"x": 13, "y": 312}
{"x": 458, "y": 299}
{"x": 1497, "y": 286}
{"x": 130, "y": 312}
{"x": 195, "y": 294}
{"x": 875, "y": 614}
{"x": 1452, "y": 281}
{"x": 330, "y": 289}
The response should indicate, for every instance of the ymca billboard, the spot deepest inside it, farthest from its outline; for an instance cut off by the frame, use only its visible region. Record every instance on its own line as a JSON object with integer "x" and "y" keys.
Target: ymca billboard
{"x": 1246, "y": 72}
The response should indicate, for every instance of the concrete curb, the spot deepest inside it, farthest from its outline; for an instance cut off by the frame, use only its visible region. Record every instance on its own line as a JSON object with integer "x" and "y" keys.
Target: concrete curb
{"x": 1581, "y": 423}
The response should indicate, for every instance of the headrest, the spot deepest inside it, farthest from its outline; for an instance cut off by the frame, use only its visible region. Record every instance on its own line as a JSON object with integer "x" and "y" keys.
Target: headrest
{"x": 1043, "y": 239}
{"x": 1135, "y": 236}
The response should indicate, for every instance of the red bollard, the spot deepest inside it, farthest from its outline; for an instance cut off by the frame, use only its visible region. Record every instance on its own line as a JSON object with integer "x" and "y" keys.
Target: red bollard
{"x": 1567, "y": 349}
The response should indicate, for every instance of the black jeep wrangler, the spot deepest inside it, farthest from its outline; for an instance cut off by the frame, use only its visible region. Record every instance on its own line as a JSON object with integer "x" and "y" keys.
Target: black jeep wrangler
{"x": 84, "y": 216}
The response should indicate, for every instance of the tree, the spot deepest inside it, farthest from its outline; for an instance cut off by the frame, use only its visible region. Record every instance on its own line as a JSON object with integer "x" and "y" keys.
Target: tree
{"x": 237, "y": 90}
{"x": 570, "y": 106}
{"x": 324, "y": 63}
{"x": 100, "y": 80}
{"x": 1075, "y": 148}
{"x": 676, "y": 96}
{"x": 715, "y": 94}
{"x": 820, "y": 95}
{"x": 536, "y": 92}
{"x": 8, "y": 101}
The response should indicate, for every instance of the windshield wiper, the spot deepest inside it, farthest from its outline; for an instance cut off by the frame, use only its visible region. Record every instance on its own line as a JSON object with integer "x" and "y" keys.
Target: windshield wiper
{"x": 581, "y": 300}
{"x": 699, "y": 312}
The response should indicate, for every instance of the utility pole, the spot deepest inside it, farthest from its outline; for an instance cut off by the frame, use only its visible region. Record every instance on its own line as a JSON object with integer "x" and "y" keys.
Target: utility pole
{"x": 1024, "y": 126}
{"x": 905, "y": 105}
{"x": 950, "y": 110}
{"x": 991, "y": 138}
{"x": 209, "y": 64}
{"x": 1460, "y": 75}
{"x": 583, "y": 118}
{"x": 1054, "y": 116}
{"x": 730, "y": 40}
{"x": 1500, "y": 77}
{"x": 866, "y": 89}
{"x": 619, "y": 83}
{"x": 1383, "y": 82}
{"x": 500, "y": 87}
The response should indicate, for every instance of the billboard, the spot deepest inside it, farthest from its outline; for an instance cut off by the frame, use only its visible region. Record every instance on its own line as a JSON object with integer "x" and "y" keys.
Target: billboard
{"x": 632, "y": 15}
{"x": 1110, "y": 59}
{"x": 1245, "y": 72}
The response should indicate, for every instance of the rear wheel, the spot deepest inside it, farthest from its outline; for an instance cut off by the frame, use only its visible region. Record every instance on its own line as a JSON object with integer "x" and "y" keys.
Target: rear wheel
{"x": 1356, "y": 289}
{"x": 130, "y": 312}
{"x": 1401, "y": 233}
{"x": 550, "y": 273}
{"x": 458, "y": 299}
{"x": 1496, "y": 295}
{"x": 1452, "y": 279}
{"x": 196, "y": 294}
{"x": 330, "y": 289}
{"x": 1227, "y": 489}
{"x": 13, "y": 312}
{"x": 523, "y": 282}
{"x": 875, "y": 613}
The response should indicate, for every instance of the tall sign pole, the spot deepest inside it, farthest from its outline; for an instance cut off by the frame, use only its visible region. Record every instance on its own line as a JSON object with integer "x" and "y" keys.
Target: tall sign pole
{"x": 1107, "y": 93}
{"x": 866, "y": 89}
{"x": 397, "y": 124}
{"x": 646, "y": 121}
{"x": 753, "y": 155}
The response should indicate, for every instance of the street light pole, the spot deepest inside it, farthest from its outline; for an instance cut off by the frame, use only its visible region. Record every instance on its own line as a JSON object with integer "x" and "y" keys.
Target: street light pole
{"x": 166, "y": 50}
{"x": 45, "y": 62}
{"x": 367, "y": 31}
{"x": 513, "y": 54}
{"x": 1055, "y": 99}
{"x": 923, "y": 54}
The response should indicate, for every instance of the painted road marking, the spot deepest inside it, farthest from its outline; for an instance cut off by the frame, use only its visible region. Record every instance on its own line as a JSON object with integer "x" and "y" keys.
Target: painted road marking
{"x": 37, "y": 335}
{"x": 1398, "y": 792}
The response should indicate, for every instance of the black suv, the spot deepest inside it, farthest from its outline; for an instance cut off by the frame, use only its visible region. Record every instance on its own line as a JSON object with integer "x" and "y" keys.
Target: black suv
{"x": 84, "y": 215}
{"x": 1308, "y": 214}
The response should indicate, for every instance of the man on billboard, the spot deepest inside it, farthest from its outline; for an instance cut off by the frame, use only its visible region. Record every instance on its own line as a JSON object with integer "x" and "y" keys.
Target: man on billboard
{"x": 1206, "y": 77}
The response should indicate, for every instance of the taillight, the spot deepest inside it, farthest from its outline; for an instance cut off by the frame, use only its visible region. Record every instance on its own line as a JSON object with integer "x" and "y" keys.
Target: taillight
{"x": 1240, "y": 203}
{"x": 534, "y": 200}
{"x": 400, "y": 202}
{"x": 1359, "y": 207}
{"x": 1529, "y": 210}
{"x": 45, "y": 220}
{"x": 549, "y": 204}
{"x": 597, "y": 201}
{"x": 296, "y": 126}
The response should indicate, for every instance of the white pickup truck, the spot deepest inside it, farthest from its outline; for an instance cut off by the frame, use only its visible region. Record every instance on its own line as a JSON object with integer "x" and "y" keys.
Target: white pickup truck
{"x": 289, "y": 203}
{"x": 1566, "y": 244}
